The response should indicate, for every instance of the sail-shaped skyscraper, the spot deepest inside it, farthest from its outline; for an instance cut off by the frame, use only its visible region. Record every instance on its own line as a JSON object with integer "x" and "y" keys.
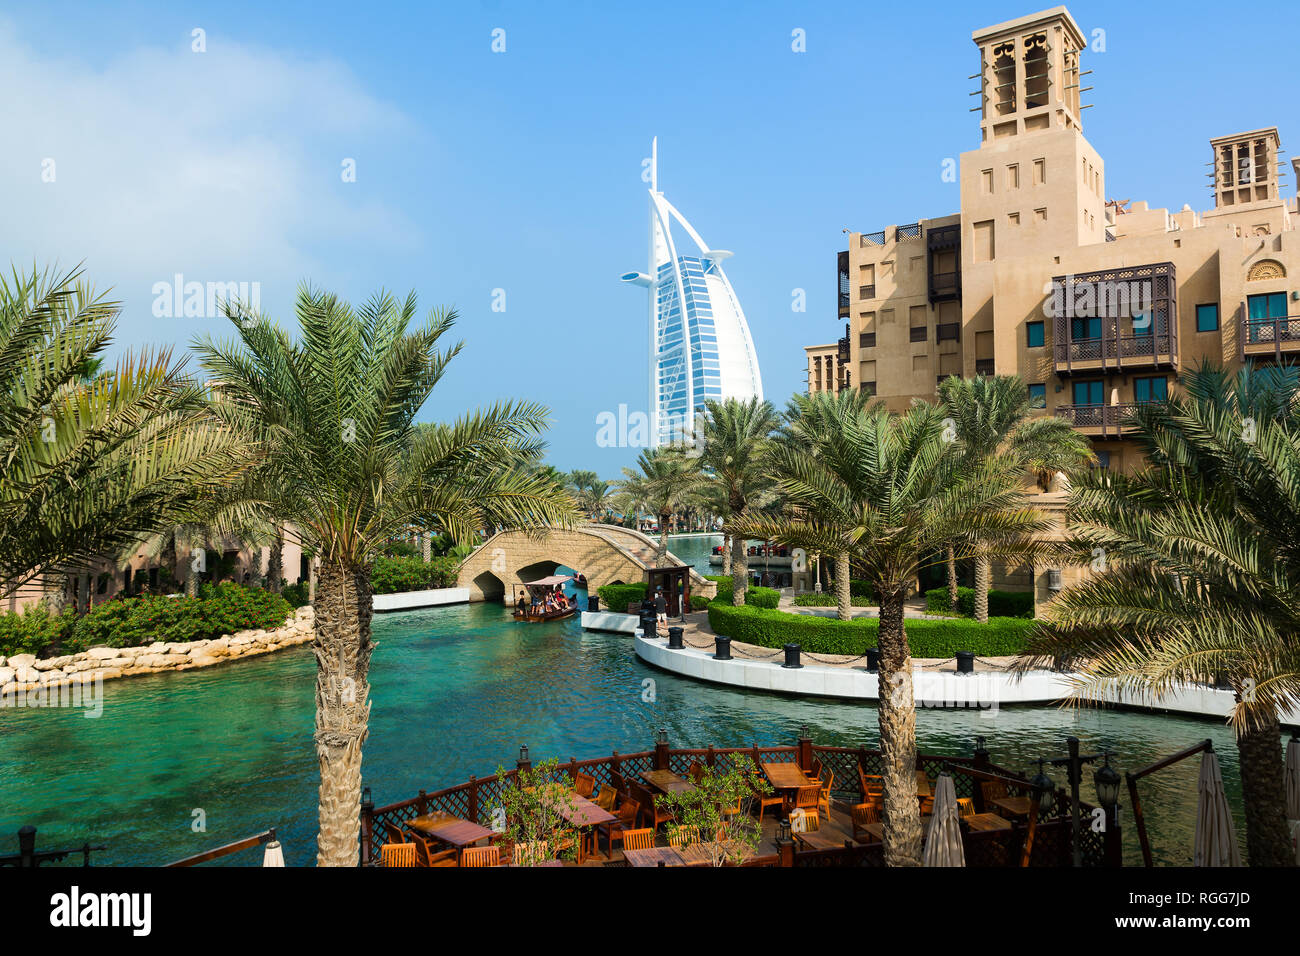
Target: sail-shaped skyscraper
{"x": 700, "y": 346}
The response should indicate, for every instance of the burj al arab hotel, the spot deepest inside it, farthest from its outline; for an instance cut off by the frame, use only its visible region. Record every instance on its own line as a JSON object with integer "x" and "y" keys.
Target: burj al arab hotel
{"x": 700, "y": 347}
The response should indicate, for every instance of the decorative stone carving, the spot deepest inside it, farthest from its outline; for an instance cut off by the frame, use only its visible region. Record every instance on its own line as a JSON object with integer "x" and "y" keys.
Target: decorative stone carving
{"x": 1266, "y": 269}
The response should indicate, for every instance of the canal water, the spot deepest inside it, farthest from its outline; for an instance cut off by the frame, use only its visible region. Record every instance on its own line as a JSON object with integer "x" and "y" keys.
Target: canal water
{"x": 179, "y": 763}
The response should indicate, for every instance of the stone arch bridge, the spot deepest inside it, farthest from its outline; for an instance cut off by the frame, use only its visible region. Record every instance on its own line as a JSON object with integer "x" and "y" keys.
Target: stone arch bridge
{"x": 606, "y": 554}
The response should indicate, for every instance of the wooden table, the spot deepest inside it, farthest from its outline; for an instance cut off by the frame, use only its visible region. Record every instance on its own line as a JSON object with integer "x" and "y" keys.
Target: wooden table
{"x": 698, "y": 854}
{"x": 665, "y": 781}
{"x": 452, "y": 830}
{"x": 581, "y": 813}
{"x": 786, "y": 776}
{"x": 986, "y": 821}
{"x": 877, "y": 830}
{"x": 1014, "y": 806}
{"x": 816, "y": 840}
{"x": 654, "y": 856}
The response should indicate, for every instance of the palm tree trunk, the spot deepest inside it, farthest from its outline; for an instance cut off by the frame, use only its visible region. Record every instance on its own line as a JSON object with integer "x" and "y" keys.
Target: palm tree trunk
{"x": 897, "y": 717}
{"x": 843, "y": 600}
{"x": 663, "y": 538}
{"x": 983, "y": 575}
{"x": 952, "y": 578}
{"x": 342, "y": 647}
{"x": 275, "y": 562}
{"x": 726, "y": 552}
{"x": 739, "y": 571}
{"x": 1263, "y": 793}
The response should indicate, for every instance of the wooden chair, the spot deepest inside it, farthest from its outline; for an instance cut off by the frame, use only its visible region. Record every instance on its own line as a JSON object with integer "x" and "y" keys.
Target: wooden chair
{"x": 606, "y": 798}
{"x": 639, "y": 839}
{"x": 815, "y": 771}
{"x": 649, "y": 810}
{"x": 871, "y": 785}
{"x": 862, "y": 814}
{"x": 397, "y": 854}
{"x": 620, "y": 785}
{"x": 477, "y": 856}
{"x": 394, "y": 833}
{"x": 824, "y": 800}
{"x": 993, "y": 789}
{"x": 584, "y": 784}
{"x": 530, "y": 854}
{"x": 805, "y": 798}
{"x": 965, "y": 806}
{"x": 765, "y": 800}
{"x": 625, "y": 821}
{"x": 679, "y": 837}
{"x": 812, "y": 822}
{"x": 427, "y": 856}
{"x": 696, "y": 773}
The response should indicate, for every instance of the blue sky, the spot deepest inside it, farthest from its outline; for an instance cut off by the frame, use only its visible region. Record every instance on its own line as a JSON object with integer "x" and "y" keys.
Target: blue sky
{"x": 521, "y": 170}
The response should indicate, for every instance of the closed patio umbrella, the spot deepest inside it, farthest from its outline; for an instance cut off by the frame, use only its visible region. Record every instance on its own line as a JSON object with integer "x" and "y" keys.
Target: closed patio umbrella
{"x": 943, "y": 846}
{"x": 274, "y": 854}
{"x": 1216, "y": 840}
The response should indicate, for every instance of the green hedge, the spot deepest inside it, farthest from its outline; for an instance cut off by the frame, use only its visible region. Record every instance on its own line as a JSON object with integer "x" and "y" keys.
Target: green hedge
{"x": 824, "y": 635}
{"x": 616, "y": 597}
{"x": 132, "y": 622}
{"x": 755, "y": 596}
{"x": 395, "y": 575}
{"x": 1001, "y": 603}
{"x": 828, "y": 599}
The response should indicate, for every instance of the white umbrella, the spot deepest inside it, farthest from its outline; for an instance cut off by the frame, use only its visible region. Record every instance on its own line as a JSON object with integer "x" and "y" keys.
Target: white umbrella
{"x": 274, "y": 856}
{"x": 1216, "y": 840}
{"x": 1293, "y": 792}
{"x": 943, "y": 846}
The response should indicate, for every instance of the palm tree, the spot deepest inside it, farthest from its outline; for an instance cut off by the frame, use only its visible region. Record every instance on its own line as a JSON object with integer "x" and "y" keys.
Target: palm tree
{"x": 664, "y": 478}
{"x": 91, "y": 461}
{"x": 887, "y": 492}
{"x": 594, "y": 498}
{"x": 993, "y": 416}
{"x": 737, "y": 436}
{"x": 331, "y": 418}
{"x": 1201, "y": 553}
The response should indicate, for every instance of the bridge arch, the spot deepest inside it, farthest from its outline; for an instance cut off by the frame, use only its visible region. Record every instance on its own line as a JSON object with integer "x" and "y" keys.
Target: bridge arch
{"x": 604, "y": 553}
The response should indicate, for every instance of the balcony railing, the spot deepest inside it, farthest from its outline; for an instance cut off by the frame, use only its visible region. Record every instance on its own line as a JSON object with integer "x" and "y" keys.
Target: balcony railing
{"x": 918, "y": 333}
{"x": 1100, "y": 421}
{"x": 1262, "y": 337}
{"x": 866, "y": 292}
{"x": 910, "y": 231}
{"x": 1132, "y": 350}
{"x": 867, "y": 340}
{"x": 984, "y": 366}
{"x": 1139, "y": 299}
{"x": 844, "y": 345}
{"x": 872, "y": 239}
{"x": 943, "y": 331}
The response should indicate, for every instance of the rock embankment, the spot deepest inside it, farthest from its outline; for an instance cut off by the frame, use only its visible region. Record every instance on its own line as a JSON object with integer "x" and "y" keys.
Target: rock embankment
{"x": 25, "y": 672}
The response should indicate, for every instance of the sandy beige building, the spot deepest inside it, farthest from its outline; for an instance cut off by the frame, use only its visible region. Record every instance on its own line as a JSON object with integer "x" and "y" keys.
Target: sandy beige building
{"x": 1097, "y": 304}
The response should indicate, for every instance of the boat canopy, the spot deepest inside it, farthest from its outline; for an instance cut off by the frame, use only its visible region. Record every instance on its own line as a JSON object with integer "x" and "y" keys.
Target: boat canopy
{"x": 553, "y": 580}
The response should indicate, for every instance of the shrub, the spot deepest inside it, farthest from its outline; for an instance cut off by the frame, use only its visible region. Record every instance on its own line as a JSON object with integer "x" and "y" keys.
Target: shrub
{"x": 219, "y": 609}
{"x": 860, "y": 589}
{"x": 296, "y": 594}
{"x": 699, "y": 602}
{"x": 33, "y": 630}
{"x": 395, "y": 575}
{"x": 755, "y": 596}
{"x": 824, "y": 635}
{"x": 617, "y": 596}
{"x": 1001, "y": 603}
{"x": 828, "y": 599}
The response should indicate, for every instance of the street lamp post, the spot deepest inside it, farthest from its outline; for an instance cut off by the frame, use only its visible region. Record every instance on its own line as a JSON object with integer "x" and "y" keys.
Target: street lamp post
{"x": 1107, "y": 783}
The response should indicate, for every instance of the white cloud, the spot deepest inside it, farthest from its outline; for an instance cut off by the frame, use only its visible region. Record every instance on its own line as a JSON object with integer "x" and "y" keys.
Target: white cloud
{"x": 221, "y": 165}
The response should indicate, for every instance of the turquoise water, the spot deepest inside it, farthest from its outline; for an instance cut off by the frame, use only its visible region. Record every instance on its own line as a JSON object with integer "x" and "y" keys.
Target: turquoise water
{"x": 455, "y": 692}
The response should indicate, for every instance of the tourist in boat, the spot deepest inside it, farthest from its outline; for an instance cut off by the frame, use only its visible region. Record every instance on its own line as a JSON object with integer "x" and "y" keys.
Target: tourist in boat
{"x": 522, "y": 604}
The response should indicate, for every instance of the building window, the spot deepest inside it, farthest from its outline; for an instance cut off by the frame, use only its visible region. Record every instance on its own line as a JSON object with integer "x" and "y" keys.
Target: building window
{"x": 1087, "y": 393}
{"x": 1207, "y": 317}
{"x": 869, "y": 388}
{"x": 1155, "y": 389}
{"x": 1083, "y": 328}
{"x": 1038, "y": 395}
{"x": 1034, "y": 335}
{"x": 918, "y": 333}
{"x": 1263, "y": 312}
{"x": 1103, "y": 458}
{"x": 867, "y": 340}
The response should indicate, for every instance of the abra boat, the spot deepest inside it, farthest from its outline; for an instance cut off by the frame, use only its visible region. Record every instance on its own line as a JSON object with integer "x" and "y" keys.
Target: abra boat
{"x": 530, "y": 597}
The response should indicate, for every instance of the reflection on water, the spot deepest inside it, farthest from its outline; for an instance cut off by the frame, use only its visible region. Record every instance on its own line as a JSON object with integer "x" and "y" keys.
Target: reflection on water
{"x": 455, "y": 692}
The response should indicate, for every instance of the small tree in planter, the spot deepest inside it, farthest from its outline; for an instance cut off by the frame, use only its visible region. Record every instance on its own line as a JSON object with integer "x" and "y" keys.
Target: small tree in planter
{"x": 527, "y": 813}
{"x": 715, "y": 814}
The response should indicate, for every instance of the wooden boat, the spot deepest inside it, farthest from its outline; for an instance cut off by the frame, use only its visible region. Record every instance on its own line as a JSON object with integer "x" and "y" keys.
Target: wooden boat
{"x": 533, "y": 595}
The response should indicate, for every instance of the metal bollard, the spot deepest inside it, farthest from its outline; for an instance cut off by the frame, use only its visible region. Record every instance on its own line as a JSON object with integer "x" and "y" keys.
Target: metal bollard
{"x": 873, "y": 659}
{"x": 593, "y": 602}
{"x": 675, "y": 638}
{"x": 722, "y": 648}
{"x": 792, "y": 656}
{"x": 965, "y": 662}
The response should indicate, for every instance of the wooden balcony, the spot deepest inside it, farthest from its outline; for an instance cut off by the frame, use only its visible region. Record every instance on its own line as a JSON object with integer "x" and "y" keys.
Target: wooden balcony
{"x": 1270, "y": 338}
{"x": 1099, "y": 421}
{"x": 1112, "y": 353}
{"x": 1136, "y": 310}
